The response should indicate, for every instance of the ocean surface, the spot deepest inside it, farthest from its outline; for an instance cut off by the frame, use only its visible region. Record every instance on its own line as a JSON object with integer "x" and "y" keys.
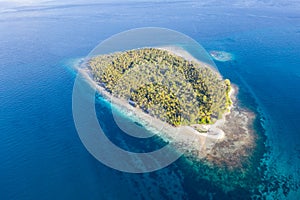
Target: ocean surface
{"x": 41, "y": 155}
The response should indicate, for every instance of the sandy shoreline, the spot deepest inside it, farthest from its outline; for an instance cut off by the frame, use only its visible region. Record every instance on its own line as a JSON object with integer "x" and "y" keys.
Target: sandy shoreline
{"x": 187, "y": 139}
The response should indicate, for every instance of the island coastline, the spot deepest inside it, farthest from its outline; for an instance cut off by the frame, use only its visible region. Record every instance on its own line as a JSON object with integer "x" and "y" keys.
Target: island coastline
{"x": 215, "y": 146}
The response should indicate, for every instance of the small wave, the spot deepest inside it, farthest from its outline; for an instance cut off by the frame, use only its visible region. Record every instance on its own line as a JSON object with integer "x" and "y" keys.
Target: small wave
{"x": 8, "y": 10}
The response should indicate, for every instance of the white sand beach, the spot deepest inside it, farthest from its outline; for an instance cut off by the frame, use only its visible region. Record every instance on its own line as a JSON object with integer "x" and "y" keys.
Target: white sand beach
{"x": 186, "y": 139}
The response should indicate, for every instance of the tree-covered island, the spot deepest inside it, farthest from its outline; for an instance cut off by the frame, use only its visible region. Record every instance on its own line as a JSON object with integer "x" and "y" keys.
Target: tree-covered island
{"x": 164, "y": 85}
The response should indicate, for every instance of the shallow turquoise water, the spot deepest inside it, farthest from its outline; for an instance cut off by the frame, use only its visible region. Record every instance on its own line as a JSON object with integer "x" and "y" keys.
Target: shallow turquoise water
{"x": 41, "y": 155}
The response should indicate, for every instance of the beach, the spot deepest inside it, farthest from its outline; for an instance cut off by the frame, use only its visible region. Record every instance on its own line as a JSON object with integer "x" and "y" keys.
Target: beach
{"x": 226, "y": 141}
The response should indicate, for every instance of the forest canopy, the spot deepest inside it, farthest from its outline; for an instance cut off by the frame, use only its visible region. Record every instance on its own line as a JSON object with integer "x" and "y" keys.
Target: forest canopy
{"x": 164, "y": 85}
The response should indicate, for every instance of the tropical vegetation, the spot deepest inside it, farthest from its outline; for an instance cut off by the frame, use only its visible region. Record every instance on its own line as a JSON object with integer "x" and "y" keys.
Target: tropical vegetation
{"x": 164, "y": 85}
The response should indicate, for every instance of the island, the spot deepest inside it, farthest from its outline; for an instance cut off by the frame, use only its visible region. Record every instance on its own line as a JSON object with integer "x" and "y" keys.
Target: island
{"x": 167, "y": 87}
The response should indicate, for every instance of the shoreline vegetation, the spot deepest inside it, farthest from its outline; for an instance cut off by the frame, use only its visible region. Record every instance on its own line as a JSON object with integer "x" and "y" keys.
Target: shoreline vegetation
{"x": 226, "y": 139}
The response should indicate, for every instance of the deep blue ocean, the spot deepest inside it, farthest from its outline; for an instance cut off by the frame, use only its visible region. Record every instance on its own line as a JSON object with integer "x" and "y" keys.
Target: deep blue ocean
{"x": 41, "y": 155}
